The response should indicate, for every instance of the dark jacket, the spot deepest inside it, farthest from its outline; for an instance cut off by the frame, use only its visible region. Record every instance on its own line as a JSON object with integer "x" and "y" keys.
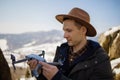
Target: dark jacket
{"x": 94, "y": 64}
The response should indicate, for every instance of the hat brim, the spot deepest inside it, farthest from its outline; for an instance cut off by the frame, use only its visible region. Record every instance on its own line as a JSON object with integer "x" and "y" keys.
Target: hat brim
{"x": 90, "y": 29}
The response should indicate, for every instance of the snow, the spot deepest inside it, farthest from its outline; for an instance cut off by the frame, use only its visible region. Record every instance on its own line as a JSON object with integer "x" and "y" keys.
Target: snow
{"x": 29, "y": 44}
{"x": 3, "y": 44}
{"x": 112, "y": 30}
{"x": 115, "y": 62}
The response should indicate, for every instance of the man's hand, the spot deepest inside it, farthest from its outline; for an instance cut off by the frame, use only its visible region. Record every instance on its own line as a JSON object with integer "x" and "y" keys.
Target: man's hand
{"x": 48, "y": 70}
{"x": 32, "y": 64}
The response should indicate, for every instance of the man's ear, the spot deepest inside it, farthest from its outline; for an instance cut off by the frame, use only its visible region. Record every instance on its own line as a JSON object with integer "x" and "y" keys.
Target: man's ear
{"x": 84, "y": 30}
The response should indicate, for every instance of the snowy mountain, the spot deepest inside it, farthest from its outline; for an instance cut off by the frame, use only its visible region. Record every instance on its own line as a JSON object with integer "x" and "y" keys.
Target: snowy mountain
{"x": 15, "y": 41}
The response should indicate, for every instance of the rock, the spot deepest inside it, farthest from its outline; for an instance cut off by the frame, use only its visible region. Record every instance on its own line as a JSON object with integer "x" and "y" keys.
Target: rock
{"x": 110, "y": 41}
{"x": 4, "y": 68}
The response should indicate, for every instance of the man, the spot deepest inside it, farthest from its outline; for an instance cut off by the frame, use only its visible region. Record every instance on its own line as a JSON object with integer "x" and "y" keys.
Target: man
{"x": 82, "y": 59}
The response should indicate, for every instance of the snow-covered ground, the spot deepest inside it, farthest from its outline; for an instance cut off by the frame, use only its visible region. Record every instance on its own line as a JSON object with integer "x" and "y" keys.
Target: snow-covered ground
{"x": 3, "y": 44}
{"x": 114, "y": 63}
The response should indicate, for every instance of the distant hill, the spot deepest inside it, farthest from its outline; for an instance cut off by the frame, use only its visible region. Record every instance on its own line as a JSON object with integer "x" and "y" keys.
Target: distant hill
{"x": 15, "y": 41}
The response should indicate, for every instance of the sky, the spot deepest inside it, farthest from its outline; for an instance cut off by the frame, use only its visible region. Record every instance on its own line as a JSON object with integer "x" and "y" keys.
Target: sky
{"x": 19, "y": 16}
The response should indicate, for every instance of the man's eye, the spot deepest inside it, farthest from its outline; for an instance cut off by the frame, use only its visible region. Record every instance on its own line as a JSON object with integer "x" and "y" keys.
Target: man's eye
{"x": 69, "y": 30}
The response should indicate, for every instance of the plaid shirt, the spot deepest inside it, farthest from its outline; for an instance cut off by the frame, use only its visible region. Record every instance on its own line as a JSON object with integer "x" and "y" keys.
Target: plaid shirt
{"x": 74, "y": 55}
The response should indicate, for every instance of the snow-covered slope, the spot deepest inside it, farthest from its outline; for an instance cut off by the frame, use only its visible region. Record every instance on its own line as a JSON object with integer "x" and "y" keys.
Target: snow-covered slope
{"x": 3, "y": 44}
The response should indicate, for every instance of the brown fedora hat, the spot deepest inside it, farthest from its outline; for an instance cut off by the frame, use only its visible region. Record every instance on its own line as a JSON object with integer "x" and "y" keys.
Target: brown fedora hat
{"x": 81, "y": 16}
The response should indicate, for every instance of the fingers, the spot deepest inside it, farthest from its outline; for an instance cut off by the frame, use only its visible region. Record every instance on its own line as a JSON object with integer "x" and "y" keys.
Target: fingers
{"x": 32, "y": 64}
{"x": 44, "y": 64}
{"x": 47, "y": 66}
{"x": 48, "y": 70}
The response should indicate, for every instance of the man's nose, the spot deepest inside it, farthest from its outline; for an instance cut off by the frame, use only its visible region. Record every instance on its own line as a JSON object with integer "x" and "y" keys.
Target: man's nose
{"x": 65, "y": 34}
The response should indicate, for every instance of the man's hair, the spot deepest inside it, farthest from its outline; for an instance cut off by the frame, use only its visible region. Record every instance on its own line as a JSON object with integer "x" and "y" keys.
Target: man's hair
{"x": 78, "y": 24}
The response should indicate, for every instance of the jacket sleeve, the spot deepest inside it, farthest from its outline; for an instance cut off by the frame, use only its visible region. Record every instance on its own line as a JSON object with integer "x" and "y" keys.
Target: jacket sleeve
{"x": 102, "y": 71}
{"x": 60, "y": 76}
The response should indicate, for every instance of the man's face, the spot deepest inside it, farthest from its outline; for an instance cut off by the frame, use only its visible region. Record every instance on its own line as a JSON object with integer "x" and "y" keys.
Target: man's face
{"x": 72, "y": 33}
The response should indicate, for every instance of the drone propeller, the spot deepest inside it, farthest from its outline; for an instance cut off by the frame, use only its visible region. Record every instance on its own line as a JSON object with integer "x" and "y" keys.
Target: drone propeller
{"x": 13, "y": 60}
